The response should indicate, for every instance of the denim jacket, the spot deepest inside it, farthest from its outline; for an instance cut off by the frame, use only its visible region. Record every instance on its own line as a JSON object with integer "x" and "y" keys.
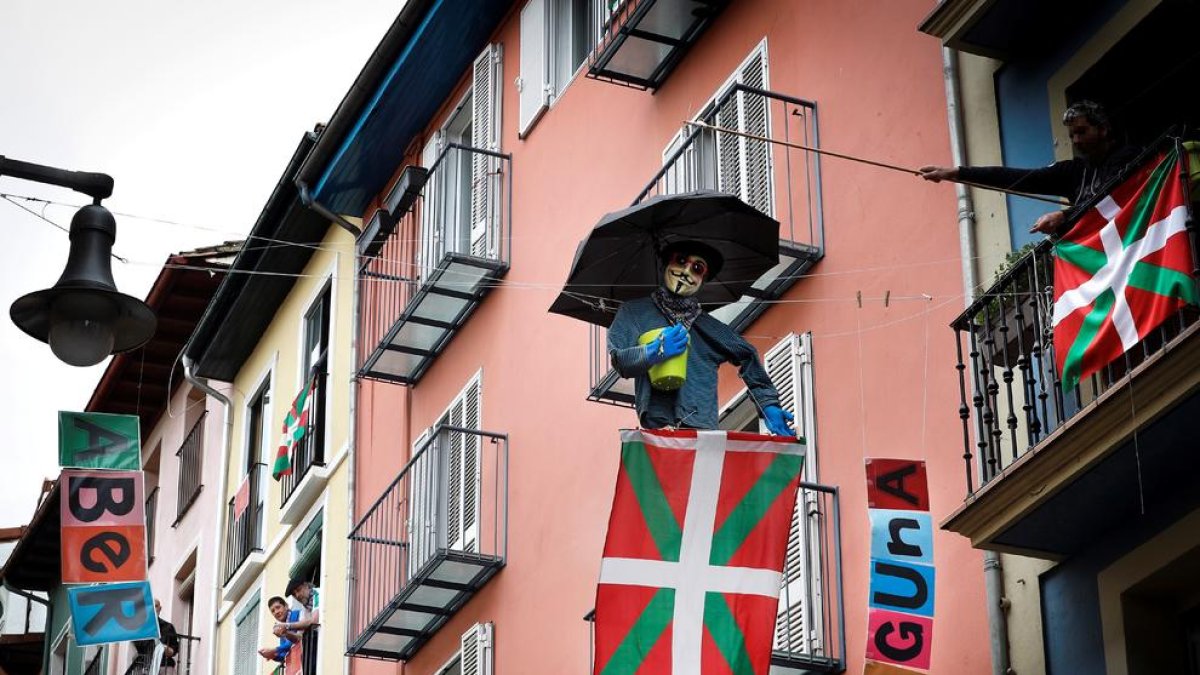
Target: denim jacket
{"x": 694, "y": 405}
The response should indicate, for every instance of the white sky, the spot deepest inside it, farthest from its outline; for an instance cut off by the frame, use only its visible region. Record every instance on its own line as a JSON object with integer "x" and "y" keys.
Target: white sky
{"x": 194, "y": 108}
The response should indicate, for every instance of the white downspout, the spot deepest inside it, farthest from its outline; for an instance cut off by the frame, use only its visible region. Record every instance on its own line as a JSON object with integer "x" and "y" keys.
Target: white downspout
{"x": 218, "y": 537}
{"x": 353, "y": 442}
{"x": 993, "y": 571}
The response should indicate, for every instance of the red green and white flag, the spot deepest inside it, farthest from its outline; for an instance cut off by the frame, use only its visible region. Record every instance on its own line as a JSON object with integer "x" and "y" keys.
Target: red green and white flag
{"x": 294, "y": 427}
{"x": 1123, "y": 269}
{"x": 693, "y": 562}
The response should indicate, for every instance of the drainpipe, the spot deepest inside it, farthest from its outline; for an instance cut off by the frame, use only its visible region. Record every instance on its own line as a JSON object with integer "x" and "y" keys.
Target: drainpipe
{"x": 353, "y": 450}
{"x": 218, "y": 538}
{"x": 993, "y": 572}
{"x": 306, "y": 198}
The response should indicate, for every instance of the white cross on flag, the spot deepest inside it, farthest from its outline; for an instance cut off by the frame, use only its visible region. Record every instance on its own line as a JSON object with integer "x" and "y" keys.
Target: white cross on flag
{"x": 690, "y": 579}
{"x": 1123, "y": 269}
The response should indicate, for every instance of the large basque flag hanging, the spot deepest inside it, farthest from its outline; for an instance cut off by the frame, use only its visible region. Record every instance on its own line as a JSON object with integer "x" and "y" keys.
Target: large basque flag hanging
{"x": 693, "y": 562}
{"x": 1123, "y": 269}
{"x": 295, "y": 425}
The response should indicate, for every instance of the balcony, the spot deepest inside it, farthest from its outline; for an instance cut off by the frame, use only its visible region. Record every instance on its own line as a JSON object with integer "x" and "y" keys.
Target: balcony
{"x": 1047, "y": 470}
{"x": 429, "y": 257}
{"x": 810, "y": 628}
{"x": 429, "y": 543}
{"x": 191, "y": 467}
{"x": 642, "y": 41}
{"x": 244, "y": 557}
{"x": 781, "y": 181}
{"x": 143, "y": 664}
{"x": 300, "y": 488}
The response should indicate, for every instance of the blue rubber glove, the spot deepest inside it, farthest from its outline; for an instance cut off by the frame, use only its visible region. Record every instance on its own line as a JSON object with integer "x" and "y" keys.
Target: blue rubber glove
{"x": 671, "y": 342}
{"x": 778, "y": 421}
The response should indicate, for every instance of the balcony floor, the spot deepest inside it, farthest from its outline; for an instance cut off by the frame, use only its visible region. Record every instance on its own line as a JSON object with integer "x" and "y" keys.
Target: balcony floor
{"x": 435, "y": 593}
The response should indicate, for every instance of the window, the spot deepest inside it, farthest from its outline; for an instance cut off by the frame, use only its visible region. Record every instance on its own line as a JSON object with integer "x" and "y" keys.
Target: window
{"x": 307, "y": 562}
{"x": 461, "y": 211}
{"x": 245, "y": 640}
{"x": 734, "y": 164}
{"x": 316, "y": 334}
{"x": 800, "y": 624}
{"x": 314, "y": 365}
{"x": 556, "y": 38}
{"x": 475, "y": 655}
{"x": 256, "y": 427}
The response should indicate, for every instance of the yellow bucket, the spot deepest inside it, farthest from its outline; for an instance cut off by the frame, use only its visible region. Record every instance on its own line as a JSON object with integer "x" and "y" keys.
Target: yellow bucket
{"x": 670, "y": 374}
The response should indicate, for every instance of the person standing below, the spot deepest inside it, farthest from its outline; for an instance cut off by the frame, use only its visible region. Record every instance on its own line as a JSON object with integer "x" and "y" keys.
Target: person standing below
{"x": 169, "y": 638}
{"x": 308, "y": 625}
{"x": 1099, "y": 157}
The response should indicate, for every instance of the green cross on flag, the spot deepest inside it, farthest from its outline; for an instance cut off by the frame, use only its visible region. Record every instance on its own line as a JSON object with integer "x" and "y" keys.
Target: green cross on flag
{"x": 1123, "y": 269}
{"x": 692, "y": 567}
{"x": 295, "y": 425}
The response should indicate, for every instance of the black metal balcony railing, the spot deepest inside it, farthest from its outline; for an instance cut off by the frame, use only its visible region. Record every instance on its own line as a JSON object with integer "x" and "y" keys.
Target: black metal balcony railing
{"x": 151, "y": 517}
{"x": 1011, "y": 395}
{"x": 781, "y": 181}
{"x": 94, "y": 666}
{"x": 142, "y": 664}
{"x": 430, "y": 257}
{"x": 642, "y": 41}
{"x": 310, "y": 451}
{"x": 191, "y": 466}
{"x": 810, "y": 628}
{"x": 244, "y": 524}
{"x": 429, "y": 543}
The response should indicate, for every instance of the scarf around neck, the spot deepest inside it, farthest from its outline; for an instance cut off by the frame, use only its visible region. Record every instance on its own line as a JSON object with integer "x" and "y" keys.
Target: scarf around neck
{"x": 677, "y": 308}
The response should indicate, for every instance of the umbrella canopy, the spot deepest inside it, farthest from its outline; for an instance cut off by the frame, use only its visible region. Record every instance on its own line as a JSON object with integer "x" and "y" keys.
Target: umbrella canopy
{"x": 619, "y": 260}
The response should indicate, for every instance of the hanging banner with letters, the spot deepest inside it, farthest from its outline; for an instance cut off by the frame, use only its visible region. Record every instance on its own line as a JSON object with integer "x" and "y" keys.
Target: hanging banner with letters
{"x": 112, "y": 613}
{"x": 99, "y": 441}
{"x": 900, "y": 600}
{"x": 103, "y": 533}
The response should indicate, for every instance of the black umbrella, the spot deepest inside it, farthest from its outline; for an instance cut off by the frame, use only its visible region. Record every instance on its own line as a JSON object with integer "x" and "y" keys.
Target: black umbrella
{"x": 619, "y": 259}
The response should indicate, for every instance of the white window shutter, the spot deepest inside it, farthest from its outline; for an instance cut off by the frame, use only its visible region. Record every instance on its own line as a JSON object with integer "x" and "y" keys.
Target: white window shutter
{"x": 756, "y": 155}
{"x": 463, "y": 471}
{"x": 245, "y": 652}
{"x": 432, "y": 209}
{"x": 454, "y": 490}
{"x": 475, "y": 657}
{"x": 532, "y": 84}
{"x": 485, "y": 134}
{"x": 422, "y": 506}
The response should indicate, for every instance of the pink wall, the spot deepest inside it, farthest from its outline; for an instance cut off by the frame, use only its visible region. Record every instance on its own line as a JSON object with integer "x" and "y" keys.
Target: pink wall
{"x": 885, "y": 383}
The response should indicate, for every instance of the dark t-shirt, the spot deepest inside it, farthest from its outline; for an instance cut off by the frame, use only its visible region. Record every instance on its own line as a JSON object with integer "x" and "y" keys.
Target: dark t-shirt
{"x": 166, "y": 635}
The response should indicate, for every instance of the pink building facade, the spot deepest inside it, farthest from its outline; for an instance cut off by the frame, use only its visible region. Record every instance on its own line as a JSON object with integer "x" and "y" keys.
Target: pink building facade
{"x": 479, "y": 146}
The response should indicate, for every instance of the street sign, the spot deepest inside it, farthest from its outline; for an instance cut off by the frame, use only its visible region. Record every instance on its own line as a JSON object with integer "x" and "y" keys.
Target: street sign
{"x": 99, "y": 441}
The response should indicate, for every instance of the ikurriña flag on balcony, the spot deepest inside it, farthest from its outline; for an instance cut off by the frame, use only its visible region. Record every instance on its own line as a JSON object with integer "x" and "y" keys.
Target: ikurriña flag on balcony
{"x": 294, "y": 427}
{"x": 1123, "y": 269}
{"x": 693, "y": 560}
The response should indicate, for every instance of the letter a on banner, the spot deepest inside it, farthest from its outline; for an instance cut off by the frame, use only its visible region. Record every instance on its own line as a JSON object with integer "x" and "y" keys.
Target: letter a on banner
{"x": 103, "y": 532}
{"x": 99, "y": 441}
{"x": 112, "y": 613}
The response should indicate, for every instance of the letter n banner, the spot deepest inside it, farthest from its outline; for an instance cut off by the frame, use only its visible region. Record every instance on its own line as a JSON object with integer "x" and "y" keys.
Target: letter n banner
{"x": 900, "y": 600}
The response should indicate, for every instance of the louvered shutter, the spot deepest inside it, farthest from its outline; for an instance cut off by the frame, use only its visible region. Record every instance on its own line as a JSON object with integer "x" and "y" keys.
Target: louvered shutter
{"x": 744, "y": 164}
{"x": 433, "y": 207}
{"x": 799, "y": 627}
{"x": 533, "y": 84}
{"x": 245, "y": 656}
{"x": 476, "y": 655}
{"x": 422, "y": 506}
{"x": 485, "y": 169}
{"x": 463, "y": 471}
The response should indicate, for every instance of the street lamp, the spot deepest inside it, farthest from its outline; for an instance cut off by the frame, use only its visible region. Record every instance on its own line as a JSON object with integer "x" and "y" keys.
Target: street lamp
{"x": 83, "y": 317}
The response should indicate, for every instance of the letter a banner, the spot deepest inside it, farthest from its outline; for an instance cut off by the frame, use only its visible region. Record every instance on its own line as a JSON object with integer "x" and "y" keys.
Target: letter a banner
{"x": 103, "y": 533}
{"x": 900, "y": 599}
{"x": 693, "y": 561}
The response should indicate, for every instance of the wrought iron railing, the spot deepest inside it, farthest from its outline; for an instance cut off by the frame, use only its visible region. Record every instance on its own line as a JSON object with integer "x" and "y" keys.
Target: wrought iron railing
{"x": 151, "y": 517}
{"x": 464, "y": 209}
{"x": 768, "y": 169}
{"x": 244, "y": 524}
{"x": 310, "y": 451}
{"x": 94, "y": 666}
{"x": 179, "y": 664}
{"x": 452, "y": 496}
{"x": 191, "y": 466}
{"x": 1011, "y": 396}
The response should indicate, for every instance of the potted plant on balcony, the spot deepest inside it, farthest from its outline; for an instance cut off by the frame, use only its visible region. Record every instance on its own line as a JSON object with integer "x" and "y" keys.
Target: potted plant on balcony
{"x": 1006, "y": 321}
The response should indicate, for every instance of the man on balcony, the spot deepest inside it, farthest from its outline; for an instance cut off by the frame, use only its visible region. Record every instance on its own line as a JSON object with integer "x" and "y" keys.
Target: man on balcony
{"x": 692, "y": 401}
{"x": 169, "y": 638}
{"x": 1099, "y": 158}
{"x": 308, "y": 625}
{"x": 279, "y": 610}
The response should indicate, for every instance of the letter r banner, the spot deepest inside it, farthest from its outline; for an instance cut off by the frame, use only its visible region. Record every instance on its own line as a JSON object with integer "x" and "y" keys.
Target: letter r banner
{"x": 112, "y": 613}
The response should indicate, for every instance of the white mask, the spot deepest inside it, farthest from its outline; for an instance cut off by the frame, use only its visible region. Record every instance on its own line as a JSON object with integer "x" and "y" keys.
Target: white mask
{"x": 685, "y": 274}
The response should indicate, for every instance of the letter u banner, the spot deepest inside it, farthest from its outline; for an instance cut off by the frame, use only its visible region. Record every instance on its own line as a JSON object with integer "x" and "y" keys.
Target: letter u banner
{"x": 900, "y": 609}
